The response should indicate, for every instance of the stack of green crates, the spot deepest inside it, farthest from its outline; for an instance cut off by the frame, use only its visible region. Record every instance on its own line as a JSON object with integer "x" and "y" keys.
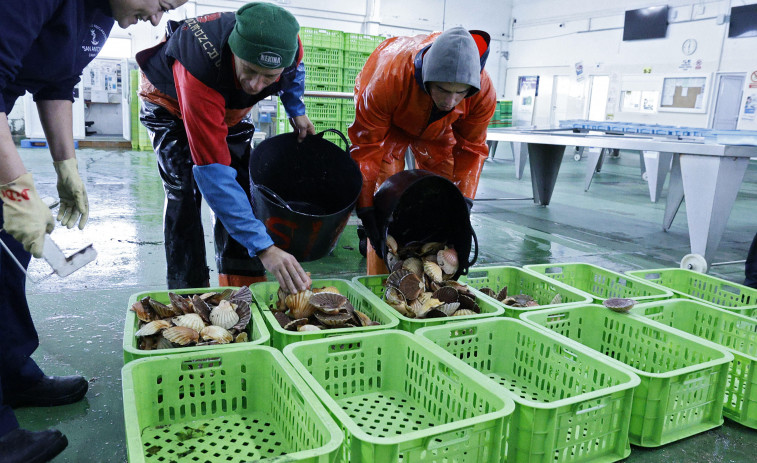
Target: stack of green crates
{"x": 332, "y": 61}
{"x": 503, "y": 114}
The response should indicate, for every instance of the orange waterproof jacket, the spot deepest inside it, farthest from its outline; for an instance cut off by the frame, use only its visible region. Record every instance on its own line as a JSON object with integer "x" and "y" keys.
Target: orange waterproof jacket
{"x": 392, "y": 113}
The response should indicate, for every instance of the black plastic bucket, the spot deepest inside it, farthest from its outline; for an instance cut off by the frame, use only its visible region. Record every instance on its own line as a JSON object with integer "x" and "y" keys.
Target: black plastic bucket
{"x": 303, "y": 192}
{"x": 419, "y": 206}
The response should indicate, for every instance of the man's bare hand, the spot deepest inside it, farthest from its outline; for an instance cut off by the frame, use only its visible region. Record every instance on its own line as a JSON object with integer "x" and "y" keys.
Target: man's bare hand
{"x": 286, "y": 269}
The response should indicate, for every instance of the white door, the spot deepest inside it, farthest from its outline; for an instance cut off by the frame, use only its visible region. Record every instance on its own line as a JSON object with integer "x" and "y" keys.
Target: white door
{"x": 728, "y": 103}
{"x": 568, "y": 99}
{"x": 600, "y": 86}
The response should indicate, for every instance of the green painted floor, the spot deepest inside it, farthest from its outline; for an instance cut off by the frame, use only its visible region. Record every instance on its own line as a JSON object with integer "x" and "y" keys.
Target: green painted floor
{"x": 80, "y": 318}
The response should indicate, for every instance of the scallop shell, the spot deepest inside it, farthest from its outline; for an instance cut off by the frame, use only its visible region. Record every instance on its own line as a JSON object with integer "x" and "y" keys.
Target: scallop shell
{"x": 447, "y": 259}
{"x": 181, "y": 335}
{"x": 216, "y": 298}
{"x": 282, "y": 318}
{"x": 281, "y": 296}
{"x": 299, "y": 304}
{"x": 216, "y": 333}
{"x": 502, "y": 294}
{"x": 241, "y": 294}
{"x": 328, "y": 302}
{"x": 333, "y": 320}
{"x": 143, "y": 311}
{"x": 446, "y": 294}
{"x": 224, "y": 315}
{"x": 449, "y": 308}
{"x": 241, "y": 337}
{"x": 293, "y": 325}
{"x": 462, "y": 312}
{"x": 163, "y": 310}
{"x": 402, "y": 308}
{"x": 557, "y": 299}
{"x": 396, "y": 277}
{"x": 244, "y": 312}
{"x": 190, "y": 320}
{"x": 181, "y": 303}
{"x": 618, "y": 304}
{"x": 164, "y": 343}
{"x": 364, "y": 319}
{"x": 153, "y": 327}
{"x": 393, "y": 261}
{"x": 468, "y": 303}
{"x": 326, "y": 289}
{"x": 308, "y": 327}
{"x": 431, "y": 248}
{"x": 413, "y": 264}
{"x": 393, "y": 295}
{"x": 411, "y": 286}
{"x": 391, "y": 244}
{"x": 434, "y": 271}
{"x": 461, "y": 288}
{"x": 489, "y": 292}
{"x": 202, "y": 308}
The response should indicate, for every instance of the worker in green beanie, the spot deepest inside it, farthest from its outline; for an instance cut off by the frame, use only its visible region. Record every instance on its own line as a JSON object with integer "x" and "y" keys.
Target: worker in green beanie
{"x": 197, "y": 89}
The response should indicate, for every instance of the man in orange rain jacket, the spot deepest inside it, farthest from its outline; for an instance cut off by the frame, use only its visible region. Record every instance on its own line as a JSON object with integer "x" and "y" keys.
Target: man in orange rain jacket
{"x": 429, "y": 93}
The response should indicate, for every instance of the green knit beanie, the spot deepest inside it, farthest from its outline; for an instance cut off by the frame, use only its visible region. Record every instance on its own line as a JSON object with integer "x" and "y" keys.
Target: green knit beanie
{"x": 266, "y": 35}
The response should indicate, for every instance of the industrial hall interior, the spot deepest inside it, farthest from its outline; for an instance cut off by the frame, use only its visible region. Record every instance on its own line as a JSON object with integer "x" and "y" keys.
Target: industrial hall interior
{"x": 376, "y": 231}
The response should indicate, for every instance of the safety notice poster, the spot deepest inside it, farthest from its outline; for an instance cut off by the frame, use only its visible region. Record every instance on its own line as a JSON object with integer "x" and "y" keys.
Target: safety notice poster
{"x": 747, "y": 119}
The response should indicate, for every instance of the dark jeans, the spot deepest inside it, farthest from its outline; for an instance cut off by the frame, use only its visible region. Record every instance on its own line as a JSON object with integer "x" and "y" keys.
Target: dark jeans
{"x": 182, "y": 222}
{"x": 18, "y": 337}
{"x": 750, "y": 267}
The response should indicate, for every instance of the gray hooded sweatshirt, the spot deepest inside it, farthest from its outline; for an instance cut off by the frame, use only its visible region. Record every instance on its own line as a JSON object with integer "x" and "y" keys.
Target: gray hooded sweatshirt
{"x": 453, "y": 58}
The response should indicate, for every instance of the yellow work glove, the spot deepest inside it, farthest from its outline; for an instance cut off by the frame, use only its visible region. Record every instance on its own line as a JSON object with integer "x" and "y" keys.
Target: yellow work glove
{"x": 73, "y": 197}
{"x": 26, "y": 217}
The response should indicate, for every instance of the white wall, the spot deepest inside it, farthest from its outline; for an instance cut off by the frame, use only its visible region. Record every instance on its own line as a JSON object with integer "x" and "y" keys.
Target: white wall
{"x": 551, "y": 36}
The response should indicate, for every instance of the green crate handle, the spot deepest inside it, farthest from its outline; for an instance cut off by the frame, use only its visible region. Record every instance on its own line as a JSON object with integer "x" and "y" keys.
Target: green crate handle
{"x": 731, "y": 289}
{"x": 344, "y": 347}
{"x": 447, "y": 371}
{"x": 590, "y": 409}
{"x": 438, "y": 441}
{"x": 569, "y": 355}
{"x": 201, "y": 364}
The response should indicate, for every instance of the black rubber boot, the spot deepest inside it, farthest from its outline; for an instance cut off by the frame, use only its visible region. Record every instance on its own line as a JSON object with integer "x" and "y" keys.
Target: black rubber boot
{"x": 49, "y": 392}
{"x": 22, "y": 446}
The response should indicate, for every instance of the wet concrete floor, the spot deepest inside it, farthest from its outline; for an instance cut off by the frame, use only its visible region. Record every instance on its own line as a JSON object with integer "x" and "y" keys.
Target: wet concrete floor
{"x": 80, "y": 318}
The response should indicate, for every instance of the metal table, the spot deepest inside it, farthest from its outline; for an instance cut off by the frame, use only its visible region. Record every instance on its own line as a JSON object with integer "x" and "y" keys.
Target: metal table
{"x": 708, "y": 175}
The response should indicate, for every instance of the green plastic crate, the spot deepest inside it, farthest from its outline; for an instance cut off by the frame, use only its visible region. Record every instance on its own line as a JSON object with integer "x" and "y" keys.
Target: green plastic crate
{"x": 324, "y": 109}
{"x": 320, "y": 56}
{"x": 374, "y": 286}
{"x": 600, "y": 283}
{"x": 355, "y": 59}
{"x": 335, "y": 87}
{"x": 399, "y": 397}
{"x": 237, "y": 405}
{"x": 348, "y": 111}
{"x": 704, "y": 288}
{"x": 323, "y": 38}
{"x": 323, "y": 75}
{"x": 348, "y": 77}
{"x": 265, "y": 294}
{"x": 737, "y": 333}
{"x": 256, "y": 331}
{"x": 682, "y": 379}
{"x": 361, "y": 42}
{"x": 570, "y": 404}
{"x": 519, "y": 281}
